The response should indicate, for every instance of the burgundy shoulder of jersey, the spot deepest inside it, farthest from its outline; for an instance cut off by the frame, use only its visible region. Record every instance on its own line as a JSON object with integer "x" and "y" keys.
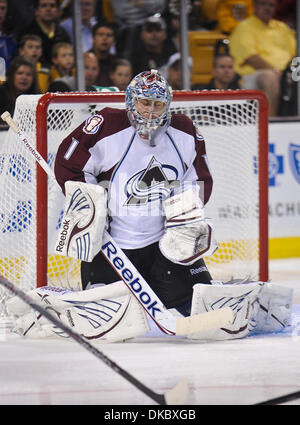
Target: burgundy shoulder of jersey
{"x": 97, "y": 126}
{"x": 105, "y": 122}
{"x": 74, "y": 152}
{"x": 184, "y": 123}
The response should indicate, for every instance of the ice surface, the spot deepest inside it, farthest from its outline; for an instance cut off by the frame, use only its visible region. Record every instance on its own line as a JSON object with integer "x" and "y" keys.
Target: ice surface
{"x": 239, "y": 372}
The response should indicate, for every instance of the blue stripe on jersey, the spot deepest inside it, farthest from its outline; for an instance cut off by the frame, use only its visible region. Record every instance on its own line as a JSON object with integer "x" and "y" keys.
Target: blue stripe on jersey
{"x": 123, "y": 157}
{"x": 180, "y": 157}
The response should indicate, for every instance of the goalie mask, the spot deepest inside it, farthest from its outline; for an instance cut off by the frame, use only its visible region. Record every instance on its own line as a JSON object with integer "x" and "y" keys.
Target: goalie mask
{"x": 154, "y": 89}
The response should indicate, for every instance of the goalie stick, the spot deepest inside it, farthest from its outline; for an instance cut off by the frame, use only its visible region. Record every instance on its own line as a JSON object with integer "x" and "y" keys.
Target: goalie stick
{"x": 163, "y": 318}
{"x": 176, "y": 395}
{"x": 280, "y": 400}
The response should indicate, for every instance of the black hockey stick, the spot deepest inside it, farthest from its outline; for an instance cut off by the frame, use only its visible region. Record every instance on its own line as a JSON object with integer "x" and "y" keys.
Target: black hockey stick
{"x": 279, "y": 400}
{"x": 176, "y": 395}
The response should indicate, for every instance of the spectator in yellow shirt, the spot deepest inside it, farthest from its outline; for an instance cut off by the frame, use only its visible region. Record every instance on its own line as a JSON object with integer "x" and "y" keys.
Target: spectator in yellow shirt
{"x": 262, "y": 47}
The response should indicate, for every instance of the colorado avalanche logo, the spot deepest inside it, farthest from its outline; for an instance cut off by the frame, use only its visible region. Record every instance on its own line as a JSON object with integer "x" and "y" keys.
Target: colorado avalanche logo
{"x": 294, "y": 157}
{"x": 150, "y": 184}
{"x": 92, "y": 124}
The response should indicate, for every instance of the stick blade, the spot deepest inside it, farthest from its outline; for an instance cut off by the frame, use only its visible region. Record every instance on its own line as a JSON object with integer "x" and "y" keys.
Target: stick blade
{"x": 179, "y": 394}
{"x": 205, "y": 321}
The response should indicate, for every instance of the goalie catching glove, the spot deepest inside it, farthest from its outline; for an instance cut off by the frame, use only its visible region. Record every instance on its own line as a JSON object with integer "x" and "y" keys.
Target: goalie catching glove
{"x": 105, "y": 313}
{"x": 188, "y": 235}
{"x": 84, "y": 220}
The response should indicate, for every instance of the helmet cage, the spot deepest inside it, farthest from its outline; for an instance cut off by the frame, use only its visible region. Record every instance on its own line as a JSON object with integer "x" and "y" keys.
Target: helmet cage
{"x": 152, "y": 86}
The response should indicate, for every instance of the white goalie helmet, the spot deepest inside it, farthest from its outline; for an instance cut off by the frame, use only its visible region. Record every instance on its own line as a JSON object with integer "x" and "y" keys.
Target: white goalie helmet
{"x": 152, "y": 86}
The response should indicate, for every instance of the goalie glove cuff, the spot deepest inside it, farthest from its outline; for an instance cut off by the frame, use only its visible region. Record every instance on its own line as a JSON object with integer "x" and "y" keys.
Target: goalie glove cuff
{"x": 185, "y": 206}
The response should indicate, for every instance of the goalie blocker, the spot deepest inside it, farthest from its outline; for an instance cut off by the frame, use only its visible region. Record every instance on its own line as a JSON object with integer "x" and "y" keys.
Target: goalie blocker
{"x": 84, "y": 221}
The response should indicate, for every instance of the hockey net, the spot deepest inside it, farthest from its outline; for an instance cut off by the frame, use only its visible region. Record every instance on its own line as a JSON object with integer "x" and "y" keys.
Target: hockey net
{"x": 234, "y": 125}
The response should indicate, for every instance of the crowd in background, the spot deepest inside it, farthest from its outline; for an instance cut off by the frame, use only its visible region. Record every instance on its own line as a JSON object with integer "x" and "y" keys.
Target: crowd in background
{"x": 121, "y": 38}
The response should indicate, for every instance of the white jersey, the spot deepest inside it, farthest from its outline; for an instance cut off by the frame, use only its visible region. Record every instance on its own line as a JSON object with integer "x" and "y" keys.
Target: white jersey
{"x": 107, "y": 150}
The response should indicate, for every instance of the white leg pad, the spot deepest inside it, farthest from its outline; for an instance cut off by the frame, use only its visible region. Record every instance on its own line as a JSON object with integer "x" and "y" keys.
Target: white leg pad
{"x": 241, "y": 298}
{"x": 106, "y": 313}
{"x": 275, "y": 308}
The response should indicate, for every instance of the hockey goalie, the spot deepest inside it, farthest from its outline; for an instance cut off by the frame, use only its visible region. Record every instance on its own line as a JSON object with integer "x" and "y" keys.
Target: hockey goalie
{"x": 142, "y": 175}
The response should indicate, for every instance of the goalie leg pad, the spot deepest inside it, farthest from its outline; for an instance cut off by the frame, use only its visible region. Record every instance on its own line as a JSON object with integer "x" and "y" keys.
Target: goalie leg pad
{"x": 275, "y": 308}
{"x": 106, "y": 313}
{"x": 241, "y": 298}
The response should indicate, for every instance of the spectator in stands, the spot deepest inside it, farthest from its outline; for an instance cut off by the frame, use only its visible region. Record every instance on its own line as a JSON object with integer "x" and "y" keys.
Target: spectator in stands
{"x": 21, "y": 79}
{"x": 30, "y": 46}
{"x": 8, "y": 45}
{"x": 173, "y": 72}
{"x": 68, "y": 84}
{"x": 20, "y": 15}
{"x": 121, "y": 73}
{"x": 103, "y": 40}
{"x": 129, "y": 17}
{"x": 63, "y": 61}
{"x": 262, "y": 47}
{"x": 88, "y": 21}
{"x": 45, "y": 24}
{"x": 224, "y": 76}
{"x": 154, "y": 49}
{"x": 91, "y": 70}
{"x": 231, "y": 12}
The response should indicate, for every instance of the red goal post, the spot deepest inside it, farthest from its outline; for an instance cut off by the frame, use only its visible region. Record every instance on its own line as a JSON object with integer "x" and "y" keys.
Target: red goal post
{"x": 235, "y": 127}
